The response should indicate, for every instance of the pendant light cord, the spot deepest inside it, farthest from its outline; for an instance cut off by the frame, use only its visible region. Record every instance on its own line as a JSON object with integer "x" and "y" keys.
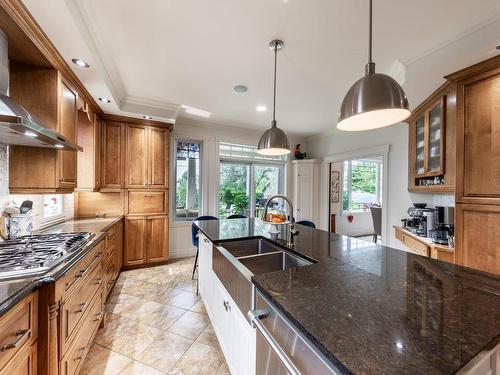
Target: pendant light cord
{"x": 274, "y": 88}
{"x": 370, "y": 38}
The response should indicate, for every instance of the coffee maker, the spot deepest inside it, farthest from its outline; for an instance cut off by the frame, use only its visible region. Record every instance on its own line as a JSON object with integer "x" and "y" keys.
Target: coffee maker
{"x": 422, "y": 220}
{"x": 445, "y": 225}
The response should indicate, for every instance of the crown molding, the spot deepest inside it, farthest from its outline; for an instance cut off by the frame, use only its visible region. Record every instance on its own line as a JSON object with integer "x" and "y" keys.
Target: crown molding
{"x": 133, "y": 120}
{"x": 23, "y": 18}
{"x": 150, "y": 107}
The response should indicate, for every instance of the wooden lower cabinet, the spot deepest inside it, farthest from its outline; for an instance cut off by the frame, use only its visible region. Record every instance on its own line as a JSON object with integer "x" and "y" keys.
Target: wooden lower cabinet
{"x": 146, "y": 239}
{"x": 18, "y": 338}
{"x": 477, "y": 236}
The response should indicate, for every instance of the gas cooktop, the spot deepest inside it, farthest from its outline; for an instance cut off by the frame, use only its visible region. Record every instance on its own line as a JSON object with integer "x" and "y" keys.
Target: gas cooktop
{"x": 37, "y": 254}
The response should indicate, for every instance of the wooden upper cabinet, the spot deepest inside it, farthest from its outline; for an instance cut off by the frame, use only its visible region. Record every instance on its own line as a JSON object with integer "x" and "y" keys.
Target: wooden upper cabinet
{"x": 157, "y": 235}
{"x": 431, "y": 155}
{"x": 479, "y": 140}
{"x": 136, "y": 160}
{"x": 146, "y": 164}
{"x": 89, "y": 160}
{"x": 158, "y": 157}
{"x": 44, "y": 93}
{"x": 68, "y": 128}
{"x": 112, "y": 155}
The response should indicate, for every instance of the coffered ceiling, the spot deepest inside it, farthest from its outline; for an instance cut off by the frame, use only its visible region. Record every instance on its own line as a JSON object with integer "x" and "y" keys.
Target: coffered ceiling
{"x": 151, "y": 57}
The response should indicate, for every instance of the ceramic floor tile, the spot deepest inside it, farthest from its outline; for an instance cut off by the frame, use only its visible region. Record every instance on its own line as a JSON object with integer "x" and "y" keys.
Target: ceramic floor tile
{"x": 165, "y": 351}
{"x": 184, "y": 300}
{"x": 224, "y": 369}
{"x": 137, "y": 368}
{"x": 190, "y": 325}
{"x": 208, "y": 337}
{"x": 199, "y": 359}
{"x": 164, "y": 294}
{"x": 114, "y": 327}
{"x": 141, "y": 310}
{"x": 199, "y": 307}
{"x": 133, "y": 342}
{"x": 101, "y": 361}
{"x": 164, "y": 317}
{"x": 117, "y": 303}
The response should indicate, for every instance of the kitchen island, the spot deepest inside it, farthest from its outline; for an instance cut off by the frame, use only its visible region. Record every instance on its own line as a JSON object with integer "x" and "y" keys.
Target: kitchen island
{"x": 371, "y": 309}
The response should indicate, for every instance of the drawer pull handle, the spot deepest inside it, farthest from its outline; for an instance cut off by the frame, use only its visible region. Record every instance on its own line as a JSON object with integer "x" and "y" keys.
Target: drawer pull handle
{"x": 227, "y": 306}
{"x": 206, "y": 240}
{"x": 82, "y": 307}
{"x": 99, "y": 281}
{"x": 20, "y": 334}
{"x": 80, "y": 354}
{"x": 98, "y": 317}
{"x": 80, "y": 273}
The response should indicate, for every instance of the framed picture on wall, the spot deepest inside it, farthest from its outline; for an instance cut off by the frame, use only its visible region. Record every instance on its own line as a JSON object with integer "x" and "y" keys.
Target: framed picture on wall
{"x": 334, "y": 186}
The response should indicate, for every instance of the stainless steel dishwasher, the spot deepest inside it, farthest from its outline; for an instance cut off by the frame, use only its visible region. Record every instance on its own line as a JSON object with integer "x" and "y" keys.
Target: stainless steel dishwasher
{"x": 281, "y": 349}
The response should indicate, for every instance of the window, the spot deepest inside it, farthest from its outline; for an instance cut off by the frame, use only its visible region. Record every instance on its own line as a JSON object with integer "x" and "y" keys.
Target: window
{"x": 187, "y": 180}
{"x": 362, "y": 184}
{"x": 247, "y": 179}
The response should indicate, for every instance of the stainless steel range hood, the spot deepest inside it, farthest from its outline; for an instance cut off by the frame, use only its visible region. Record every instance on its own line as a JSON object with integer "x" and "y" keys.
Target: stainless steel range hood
{"x": 17, "y": 125}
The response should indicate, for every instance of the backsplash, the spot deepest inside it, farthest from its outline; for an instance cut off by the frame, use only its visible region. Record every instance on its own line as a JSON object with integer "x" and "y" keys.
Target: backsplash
{"x": 4, "y": 174}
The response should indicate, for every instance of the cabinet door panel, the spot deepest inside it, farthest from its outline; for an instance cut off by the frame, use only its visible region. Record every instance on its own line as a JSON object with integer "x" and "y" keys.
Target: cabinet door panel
{"x": 481, "y": 139}
{"x": 135, "y": 240}
{"x": 158, "y": 157}
{"x": 136, "y": 156}
{"x": 477, "y": 237}
{"x": 305, "y": 197}
{"x": 157, "y": 237}
{"x": 67, "y": 127}
{"x": 112, "y": 155}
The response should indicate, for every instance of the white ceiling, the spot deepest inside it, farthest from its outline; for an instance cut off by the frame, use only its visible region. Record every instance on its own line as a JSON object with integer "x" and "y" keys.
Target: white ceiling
{"x": 152, "y": 56}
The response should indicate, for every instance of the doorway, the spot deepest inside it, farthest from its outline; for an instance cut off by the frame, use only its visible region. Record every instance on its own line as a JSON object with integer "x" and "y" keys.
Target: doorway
{"x": 357, "y": 194}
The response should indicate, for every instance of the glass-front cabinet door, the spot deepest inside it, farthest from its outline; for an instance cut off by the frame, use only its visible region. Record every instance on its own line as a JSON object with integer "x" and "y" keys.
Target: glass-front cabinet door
{"x": 436, "y": 140}
{"x": 420, "y": 147}
{"x": 429, "y": 142}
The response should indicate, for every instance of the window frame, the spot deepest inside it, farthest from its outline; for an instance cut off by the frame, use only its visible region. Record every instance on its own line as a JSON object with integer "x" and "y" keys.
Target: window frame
{"x": 252, "y": 162}
{"x": 175, "y": 218}
{"x": 348, "y": 179}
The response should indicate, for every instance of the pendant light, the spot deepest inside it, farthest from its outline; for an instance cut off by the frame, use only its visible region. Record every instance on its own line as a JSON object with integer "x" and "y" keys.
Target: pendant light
{"x": 374, "y": 101}
{"x": 274, "y": 140}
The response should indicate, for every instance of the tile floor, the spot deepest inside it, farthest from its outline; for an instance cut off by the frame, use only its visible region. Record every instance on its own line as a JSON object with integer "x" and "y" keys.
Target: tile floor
{"x": 156, "y": 325}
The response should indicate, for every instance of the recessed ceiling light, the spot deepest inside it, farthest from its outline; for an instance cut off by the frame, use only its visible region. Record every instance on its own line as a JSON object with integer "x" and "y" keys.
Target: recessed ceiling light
{"x": 498, "y": 47}
{"x": 58, "y": 146}
{"x": 104, "y": 100}
{"x": 196, "y": 111}
{"x": 30, "y": 134}
{"x": 146, "y": 117}
{"x": 80, "y": 63}
{"x": 261, "y": 108}
{"x": 240, "y": 89}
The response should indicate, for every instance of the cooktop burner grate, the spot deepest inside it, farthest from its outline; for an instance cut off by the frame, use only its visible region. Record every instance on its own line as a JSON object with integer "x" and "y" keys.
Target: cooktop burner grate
{"x": 37, "y": 254}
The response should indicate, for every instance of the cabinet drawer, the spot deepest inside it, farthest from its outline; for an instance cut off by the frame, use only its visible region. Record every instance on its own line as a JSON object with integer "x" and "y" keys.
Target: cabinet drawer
{"x": 82, "y": 268}
{"x": 76, "y": 353}
{"x": 24, "y": 363}
{"x": 415, "y": 245}
{"x": 146, "y": 202}
{"x": 18, "y": 328}
{"x": 76, "y": 306}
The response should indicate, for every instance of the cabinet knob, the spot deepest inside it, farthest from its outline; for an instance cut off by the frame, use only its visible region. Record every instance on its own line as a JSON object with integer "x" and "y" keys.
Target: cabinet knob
{"x": 206, "y": 240}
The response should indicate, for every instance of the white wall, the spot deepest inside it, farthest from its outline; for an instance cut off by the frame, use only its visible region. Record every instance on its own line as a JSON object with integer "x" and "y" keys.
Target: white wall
{"x": 423, "y": 76}
{"x": 211, "y": 134}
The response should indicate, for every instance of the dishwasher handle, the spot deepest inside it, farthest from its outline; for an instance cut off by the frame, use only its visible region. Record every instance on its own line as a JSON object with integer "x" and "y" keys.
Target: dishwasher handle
{"x": 255, "y": 317}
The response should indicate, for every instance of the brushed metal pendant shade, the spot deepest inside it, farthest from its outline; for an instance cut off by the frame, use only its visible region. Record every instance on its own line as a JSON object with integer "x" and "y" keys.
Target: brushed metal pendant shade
{"x": 274, "y": 140}
{"x": 374, "y": 101}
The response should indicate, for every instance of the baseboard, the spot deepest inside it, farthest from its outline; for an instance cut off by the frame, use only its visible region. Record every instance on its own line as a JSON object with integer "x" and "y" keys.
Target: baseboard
{"x": 182, "y": 253}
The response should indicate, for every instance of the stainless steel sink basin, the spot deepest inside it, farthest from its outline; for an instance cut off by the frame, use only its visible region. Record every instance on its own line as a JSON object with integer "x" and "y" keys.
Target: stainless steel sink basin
{"x": 279, "y": 261}
{"x": 254, "y": 246}
{"x": 235, "y": 262}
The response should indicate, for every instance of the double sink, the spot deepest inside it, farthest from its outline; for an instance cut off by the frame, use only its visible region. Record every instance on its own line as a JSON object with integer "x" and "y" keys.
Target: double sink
{"x": 235, "y": 262}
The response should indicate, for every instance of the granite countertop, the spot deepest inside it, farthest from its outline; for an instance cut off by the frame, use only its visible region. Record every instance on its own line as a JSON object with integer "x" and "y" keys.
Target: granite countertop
{"x": 13, "y": 291}
{"x": 372, "y": 309}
